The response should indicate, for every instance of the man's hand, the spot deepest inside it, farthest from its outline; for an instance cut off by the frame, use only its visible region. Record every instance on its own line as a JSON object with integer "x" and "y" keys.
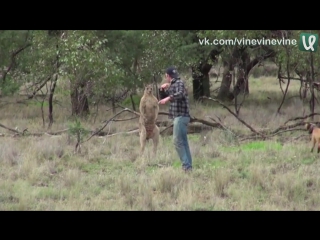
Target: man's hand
{"x": 165, "y": 100}
{"x": 165, "y": 85}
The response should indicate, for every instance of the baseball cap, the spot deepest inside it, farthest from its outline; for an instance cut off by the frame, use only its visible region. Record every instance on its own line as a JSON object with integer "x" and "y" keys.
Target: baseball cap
{"x": 172, "y": 72}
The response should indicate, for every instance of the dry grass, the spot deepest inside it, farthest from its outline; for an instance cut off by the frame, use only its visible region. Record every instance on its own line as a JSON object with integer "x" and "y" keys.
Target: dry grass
{"x": 43, "y": 173}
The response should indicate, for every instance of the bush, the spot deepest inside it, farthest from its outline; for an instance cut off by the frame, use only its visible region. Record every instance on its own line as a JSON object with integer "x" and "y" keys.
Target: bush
{"x": 9, "y": 87}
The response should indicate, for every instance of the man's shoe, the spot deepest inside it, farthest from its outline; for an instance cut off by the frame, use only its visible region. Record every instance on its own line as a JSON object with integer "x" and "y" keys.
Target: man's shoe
{"x": 187, "y": 170}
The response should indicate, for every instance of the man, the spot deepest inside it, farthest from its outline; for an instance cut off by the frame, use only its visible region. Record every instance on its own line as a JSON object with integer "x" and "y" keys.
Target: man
{"x": 179, "y": 112}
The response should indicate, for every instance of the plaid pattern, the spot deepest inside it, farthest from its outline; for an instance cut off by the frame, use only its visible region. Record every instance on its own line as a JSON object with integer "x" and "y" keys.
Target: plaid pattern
{"x": 179, "y": 103}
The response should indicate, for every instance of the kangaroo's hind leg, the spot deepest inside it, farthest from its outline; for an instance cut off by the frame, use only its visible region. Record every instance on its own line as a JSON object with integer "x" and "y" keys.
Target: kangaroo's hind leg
{"x": 143, "y": 140}
{"x": 155, "y": 139}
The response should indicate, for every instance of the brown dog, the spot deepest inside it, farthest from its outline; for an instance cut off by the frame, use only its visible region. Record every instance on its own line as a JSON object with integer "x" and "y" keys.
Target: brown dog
{"x": 315, "y": 135}
{"x": 149, "y": 110}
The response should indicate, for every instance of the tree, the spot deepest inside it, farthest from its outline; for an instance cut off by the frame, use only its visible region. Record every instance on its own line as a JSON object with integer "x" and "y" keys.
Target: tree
{"x": 12, "y": 44}
{"x": 104, "y": 64}
{"x": 85, "y": 61}
{"x": 291, "y": 62}
{"x": 241, "y": 56}
{"x": 200, "y": 58}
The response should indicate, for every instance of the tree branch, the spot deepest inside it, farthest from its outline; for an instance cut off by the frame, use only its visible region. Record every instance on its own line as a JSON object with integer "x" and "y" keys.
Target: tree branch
{"x": 301, "y": 118}
{"x": 39, "y": 88}
{"x": 13, "y": 56}
{"x": 242, "y": 121}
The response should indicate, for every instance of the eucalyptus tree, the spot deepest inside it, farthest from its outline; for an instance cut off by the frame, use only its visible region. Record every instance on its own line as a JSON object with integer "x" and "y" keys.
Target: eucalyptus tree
{"x": 199, "y": 58}
{"x": 86, "y": 64}
{"x": 303, "y": 66}
{"x": 12, "y": 44}
{"x": 76, "y": 56}
{"x": 149, "y": 52}
{"x": 237, "y": 53}
{"x": 161, "y": 51}
{"x": 125, "y": 49}
{"x": 142, "y": 55}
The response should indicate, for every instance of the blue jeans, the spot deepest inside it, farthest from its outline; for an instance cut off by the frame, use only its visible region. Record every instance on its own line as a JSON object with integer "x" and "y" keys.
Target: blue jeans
{"x": 180, "y": 140}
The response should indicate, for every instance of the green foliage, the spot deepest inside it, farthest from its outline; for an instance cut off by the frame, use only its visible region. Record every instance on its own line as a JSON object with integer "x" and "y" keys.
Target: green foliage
{"x": 39, "y": 61}
{"x": 39, "y": 103}
{"x": 136, "y": 100}
{"x": 289, "y": 59}
{"x": 117, "y": 60}
{"x": 11, "y": 41}
{"x": 9, "y": 87}
{"x": 191, "y": 51}
{"x": 77, "y": 130}
{"x": 110, "y": 58}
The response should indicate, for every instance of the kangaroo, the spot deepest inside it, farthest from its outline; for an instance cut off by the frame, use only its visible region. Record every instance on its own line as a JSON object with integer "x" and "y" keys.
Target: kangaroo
{"x": 149, "y": 110}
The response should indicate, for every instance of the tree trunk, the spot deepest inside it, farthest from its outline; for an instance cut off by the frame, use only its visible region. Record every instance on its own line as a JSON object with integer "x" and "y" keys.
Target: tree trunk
{"x": 79, "y": 100}
{"x": 245, "y": 67}
{"x": 52, "y": 89}
{"x": 312, "y": 100}
{"x": 224, "y": 91}
{"x": 229, "y": 63}
{"x": 242, "y": 84}
{"x": 201, "y": 81}
{"x": 206, "y": 84}
{"x": 132, "y": 103}
{"x": 197, "y": 88}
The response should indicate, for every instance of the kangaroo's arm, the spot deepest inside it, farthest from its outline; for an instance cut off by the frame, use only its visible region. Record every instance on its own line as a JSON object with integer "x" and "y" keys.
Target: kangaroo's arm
{"x": 142, "y": 107}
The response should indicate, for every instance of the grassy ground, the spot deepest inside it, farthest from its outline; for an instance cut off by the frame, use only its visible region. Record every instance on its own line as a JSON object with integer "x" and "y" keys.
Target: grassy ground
{"x": 43, "y": 173}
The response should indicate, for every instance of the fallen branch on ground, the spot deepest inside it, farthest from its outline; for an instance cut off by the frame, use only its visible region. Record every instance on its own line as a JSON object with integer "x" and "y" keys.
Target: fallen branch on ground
{"x": 129, "y": 132}
{"x": 301, "y": 118}
{"x": 224, "y": 127}
{"x": 192, "y": 119}
{"x": 272, "y": 134}
{"x": 121, "y": 120}
{"x": 106, "y": 123}
{"x": 10, "y": 129}
{"x": 301, "y": 136}
{"x": 166, "y": 127}
{"x": 25, "y": 132}
{"x": 288, "y": 127}
{"x": 235, "y": 115}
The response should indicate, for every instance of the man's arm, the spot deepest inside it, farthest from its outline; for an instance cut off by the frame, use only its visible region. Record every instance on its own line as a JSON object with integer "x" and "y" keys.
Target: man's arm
{"x": 179, "y": 93}
{"x": 164, "y": 93}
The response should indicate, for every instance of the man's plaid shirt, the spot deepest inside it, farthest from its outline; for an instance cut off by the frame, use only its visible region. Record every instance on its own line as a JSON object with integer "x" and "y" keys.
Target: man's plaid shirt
{"x": 179, "y": 103}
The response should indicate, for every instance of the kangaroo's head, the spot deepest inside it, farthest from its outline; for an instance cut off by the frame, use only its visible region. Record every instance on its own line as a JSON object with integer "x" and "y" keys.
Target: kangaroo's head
{"x": 148, "y": 89}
